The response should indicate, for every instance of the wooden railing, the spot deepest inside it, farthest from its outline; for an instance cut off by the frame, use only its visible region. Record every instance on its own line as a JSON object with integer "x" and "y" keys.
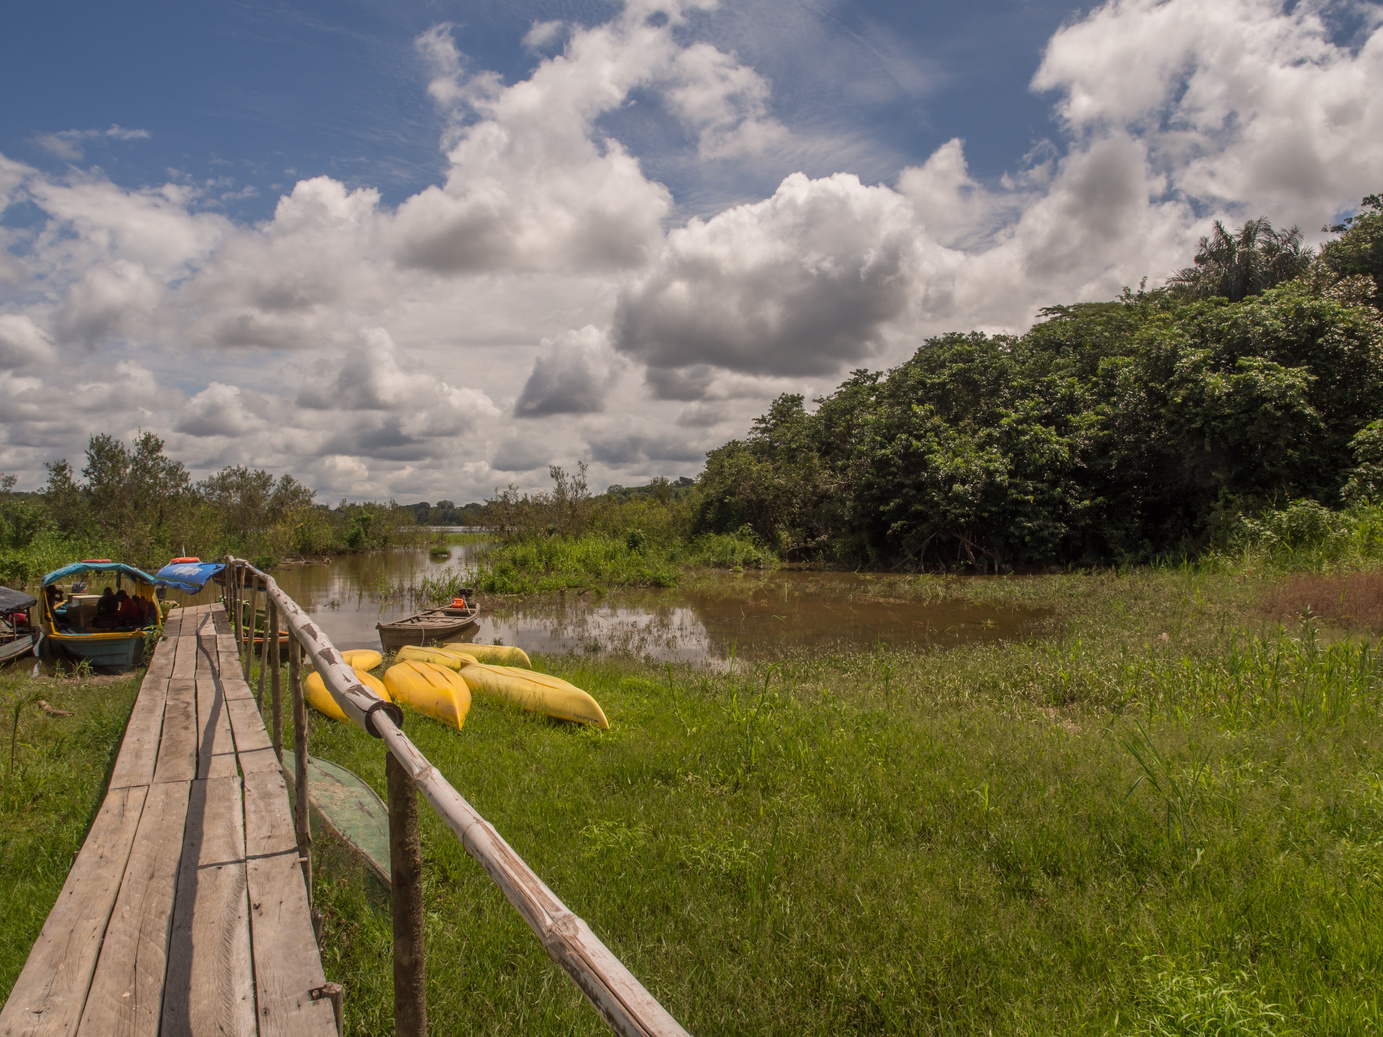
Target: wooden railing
{"x": 620, "y": 999}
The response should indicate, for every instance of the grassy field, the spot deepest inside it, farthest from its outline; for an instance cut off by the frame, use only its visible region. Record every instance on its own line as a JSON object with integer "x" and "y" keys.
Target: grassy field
{"x": 1166, "y": 820}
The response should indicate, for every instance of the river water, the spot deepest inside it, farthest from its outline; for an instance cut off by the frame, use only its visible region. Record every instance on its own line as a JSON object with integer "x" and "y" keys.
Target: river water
{"x": 754, "y": 616}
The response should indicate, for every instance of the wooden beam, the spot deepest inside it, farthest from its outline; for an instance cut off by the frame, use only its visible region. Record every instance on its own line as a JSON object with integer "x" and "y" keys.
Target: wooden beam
{"x": 126, "y": 996}
{"x": 210, "y": 986}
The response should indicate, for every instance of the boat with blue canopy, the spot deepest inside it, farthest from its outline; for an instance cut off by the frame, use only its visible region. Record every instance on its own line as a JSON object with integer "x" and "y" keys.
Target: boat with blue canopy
{"x": 107, "y": 629}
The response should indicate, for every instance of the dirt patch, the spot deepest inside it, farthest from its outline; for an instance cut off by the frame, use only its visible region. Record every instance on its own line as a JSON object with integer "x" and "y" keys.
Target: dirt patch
{"x": 1354, "y": 600}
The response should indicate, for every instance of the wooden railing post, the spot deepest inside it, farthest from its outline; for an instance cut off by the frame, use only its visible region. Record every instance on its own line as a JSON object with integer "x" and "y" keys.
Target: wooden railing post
{"x": 405, "y": 880}
{"x": 301, "y": 821}
{"x": 275, "y": 658}
{"x": 295, "y": 691}
{"x": 232, "y": 572}
{"x": 264, "y": 651}
{"x": 250, "y": 631}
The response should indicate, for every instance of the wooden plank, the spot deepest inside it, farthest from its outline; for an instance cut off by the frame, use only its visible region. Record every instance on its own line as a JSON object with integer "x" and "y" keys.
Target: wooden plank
{"x": 139, "y": 747}
{"x": 215, "y": 743}
{"x": 185, "y": 657}
{"x": 247, "y": 724}
{"x": 210, "y": 986}
{"x": 287, "y": 965}
{"x": 126, "y": 997}
{"x": 177, "y": 750}
{"x": 268, "y": 821}
{"x": 161, "y": 661}
{"x": 51, "y": 990}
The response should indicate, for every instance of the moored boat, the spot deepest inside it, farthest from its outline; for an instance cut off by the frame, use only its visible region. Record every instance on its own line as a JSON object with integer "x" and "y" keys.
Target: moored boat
{"x": 108, "y": 629}
{"x": 429, "y": 627}
{"x": 16, "y": 626}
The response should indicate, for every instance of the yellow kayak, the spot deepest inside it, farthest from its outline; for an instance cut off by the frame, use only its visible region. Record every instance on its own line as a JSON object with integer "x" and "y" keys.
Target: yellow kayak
{"x": 499, "y": 655}
{"x": 362, "y": 658}
{"x": 430, "y": 689}
{"x": 317, "y": 696}
{"x": 436, "y": 656}
{"x": 538, "y": 692}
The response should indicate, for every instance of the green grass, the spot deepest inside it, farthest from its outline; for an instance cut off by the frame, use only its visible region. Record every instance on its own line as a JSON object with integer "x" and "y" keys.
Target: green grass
{"x": 546, "y": 564}
{"x": 55, "y": 771}
{"x": 1167, "y": 820}
{"x": 1113, "y": 832}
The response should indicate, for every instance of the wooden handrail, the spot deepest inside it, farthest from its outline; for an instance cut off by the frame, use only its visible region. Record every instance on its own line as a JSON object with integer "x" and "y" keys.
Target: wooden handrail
{"x": 622, "y": 1001}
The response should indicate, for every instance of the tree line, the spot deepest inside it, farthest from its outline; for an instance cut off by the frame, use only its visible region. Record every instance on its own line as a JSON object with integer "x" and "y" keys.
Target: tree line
{"x": 134, "y": 503}
{"x": 1118, "y": 431}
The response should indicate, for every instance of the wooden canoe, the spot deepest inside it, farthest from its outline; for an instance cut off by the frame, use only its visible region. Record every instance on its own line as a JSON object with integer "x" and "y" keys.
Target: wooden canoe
{"x": 424, "y": 628}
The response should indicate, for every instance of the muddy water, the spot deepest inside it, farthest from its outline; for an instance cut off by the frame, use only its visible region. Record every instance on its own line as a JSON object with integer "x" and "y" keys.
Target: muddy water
{"x": 755, "y": 616}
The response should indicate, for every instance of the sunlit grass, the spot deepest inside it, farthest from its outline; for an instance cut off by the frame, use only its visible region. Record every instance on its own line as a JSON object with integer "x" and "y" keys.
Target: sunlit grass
{"x": 1170, "y": 813}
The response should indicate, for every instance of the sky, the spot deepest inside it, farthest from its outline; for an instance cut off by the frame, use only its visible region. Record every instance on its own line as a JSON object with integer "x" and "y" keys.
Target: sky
{"x": 423, "y": 250}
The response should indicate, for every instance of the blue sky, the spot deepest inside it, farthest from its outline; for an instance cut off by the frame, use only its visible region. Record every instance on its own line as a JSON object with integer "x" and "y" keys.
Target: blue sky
{"x": 265, "y": 94}
{"x": 447, "y": 244}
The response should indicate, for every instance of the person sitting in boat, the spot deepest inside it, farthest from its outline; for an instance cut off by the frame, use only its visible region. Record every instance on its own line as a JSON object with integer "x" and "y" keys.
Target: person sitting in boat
{"x": 128, "y": 614}
{"x": 106, "y": 609}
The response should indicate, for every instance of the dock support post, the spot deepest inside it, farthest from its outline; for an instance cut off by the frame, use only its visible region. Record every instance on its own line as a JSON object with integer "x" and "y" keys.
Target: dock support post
{"x": 406, "y": 873}
{"x": 264, "y": 652}
{"x": 301, "y": 820}
{"x": 295, "y": 690}
{"x": 232, "y": 572}
{"x": 250, "y": 631}
{"x": 275, "y": 658}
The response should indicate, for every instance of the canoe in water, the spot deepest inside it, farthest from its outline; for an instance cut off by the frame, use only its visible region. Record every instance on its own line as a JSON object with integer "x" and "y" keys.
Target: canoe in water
{"x": 499, "y": 655}
{"x": 432, "y": 690}
{"x": 349, "y": 808}
{"x": 537, "y": 692}
{"x": 317, "y": 696}
{"x": 424, "y": 628}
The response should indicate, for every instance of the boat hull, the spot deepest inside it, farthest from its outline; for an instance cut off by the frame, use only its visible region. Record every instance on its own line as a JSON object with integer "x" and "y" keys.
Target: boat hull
{"x": 536, "y": 692}
{"x": 499, "y": 655}
{"x": 20, "y": 646}
{"x": 316, "y": 695}
{"x": 434, "y": 691}
{"x": 114, "y": 650}
{"x": 422, "y": 630}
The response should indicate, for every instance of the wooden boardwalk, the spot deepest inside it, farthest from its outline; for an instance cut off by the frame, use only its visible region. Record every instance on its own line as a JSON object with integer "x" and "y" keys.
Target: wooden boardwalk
{"x": 185, "y": 912}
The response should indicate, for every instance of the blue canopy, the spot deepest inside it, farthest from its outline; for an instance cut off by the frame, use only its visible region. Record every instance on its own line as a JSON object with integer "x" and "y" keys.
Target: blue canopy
{"x": 188, "y": 576}
{"x": 77, "y": 568}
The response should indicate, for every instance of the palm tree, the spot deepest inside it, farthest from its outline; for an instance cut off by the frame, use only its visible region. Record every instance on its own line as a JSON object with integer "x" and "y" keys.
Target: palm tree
{"x": 1246, "y": 263}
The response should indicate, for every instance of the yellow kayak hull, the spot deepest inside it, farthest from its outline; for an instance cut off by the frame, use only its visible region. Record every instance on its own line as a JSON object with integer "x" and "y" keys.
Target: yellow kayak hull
{"x": 436, "y": 656}
{"x": 316, "y": 694}
{"x": 497, "y": 655}
{"x": 362, "y": 658}
{"x": 537, "y": 692}
{"x": 432, "y": 690}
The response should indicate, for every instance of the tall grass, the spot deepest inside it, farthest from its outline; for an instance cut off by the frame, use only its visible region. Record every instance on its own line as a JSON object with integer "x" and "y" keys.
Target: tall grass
{"x": 544, "y": 564}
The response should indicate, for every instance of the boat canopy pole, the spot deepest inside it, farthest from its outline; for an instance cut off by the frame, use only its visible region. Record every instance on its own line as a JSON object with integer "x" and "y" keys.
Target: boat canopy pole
{"x": 622, "y": 1001}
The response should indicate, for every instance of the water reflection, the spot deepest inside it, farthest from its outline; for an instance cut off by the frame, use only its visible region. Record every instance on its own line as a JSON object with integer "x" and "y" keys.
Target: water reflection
{"x": 756, "y": 616}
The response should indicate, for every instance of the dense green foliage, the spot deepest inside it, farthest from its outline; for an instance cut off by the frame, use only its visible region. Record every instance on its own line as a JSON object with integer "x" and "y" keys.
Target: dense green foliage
{"x": 1144, "y": 427}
